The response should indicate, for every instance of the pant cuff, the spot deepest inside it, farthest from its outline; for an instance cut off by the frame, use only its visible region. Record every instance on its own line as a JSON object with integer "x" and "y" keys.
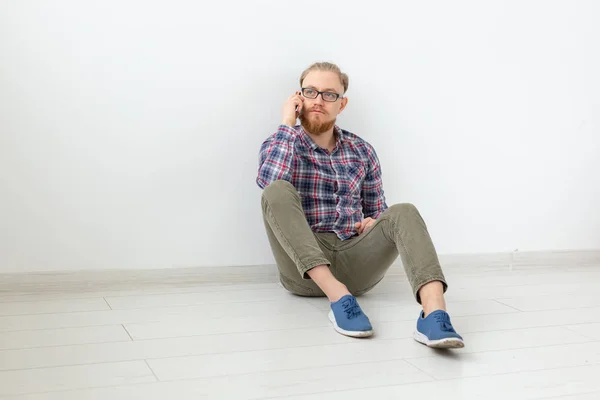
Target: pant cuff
{"x": 305, "y": 267}
{"x": 419, "y": 285}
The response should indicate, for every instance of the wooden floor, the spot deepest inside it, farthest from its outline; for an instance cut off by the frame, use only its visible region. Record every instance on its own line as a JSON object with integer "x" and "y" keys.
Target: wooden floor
{"x": 530, "y": 333}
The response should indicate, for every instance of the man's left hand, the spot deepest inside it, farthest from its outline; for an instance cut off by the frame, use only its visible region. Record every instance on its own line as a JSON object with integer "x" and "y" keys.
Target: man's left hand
{"x": 364, "y": 226}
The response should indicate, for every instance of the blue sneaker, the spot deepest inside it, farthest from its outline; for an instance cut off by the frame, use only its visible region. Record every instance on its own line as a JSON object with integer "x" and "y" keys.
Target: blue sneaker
{"x": 436, "y": 331}
{"x": 348, "y": 318}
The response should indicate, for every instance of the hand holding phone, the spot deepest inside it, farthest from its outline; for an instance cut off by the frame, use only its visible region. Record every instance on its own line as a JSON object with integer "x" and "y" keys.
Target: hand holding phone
{"x": 292, "y": 109}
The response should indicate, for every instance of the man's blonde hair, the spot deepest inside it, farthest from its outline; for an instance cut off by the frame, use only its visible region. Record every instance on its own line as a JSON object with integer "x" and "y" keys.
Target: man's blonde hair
{"x": 326, "y": 66}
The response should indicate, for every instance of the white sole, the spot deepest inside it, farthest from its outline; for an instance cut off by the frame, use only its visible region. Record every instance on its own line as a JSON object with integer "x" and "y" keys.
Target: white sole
{"x": 449, "y": 343}
{"x": 356, "y": 334}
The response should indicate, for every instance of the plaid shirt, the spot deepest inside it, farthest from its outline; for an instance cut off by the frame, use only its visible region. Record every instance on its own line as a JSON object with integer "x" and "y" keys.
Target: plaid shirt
{"x": 337, "y": 188}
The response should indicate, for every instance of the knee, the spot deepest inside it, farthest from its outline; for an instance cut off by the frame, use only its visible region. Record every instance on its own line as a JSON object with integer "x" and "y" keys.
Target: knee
{"x": 404, "y": 213}
{"x": 404, "y": 210}
{"x": 278, "y": 192}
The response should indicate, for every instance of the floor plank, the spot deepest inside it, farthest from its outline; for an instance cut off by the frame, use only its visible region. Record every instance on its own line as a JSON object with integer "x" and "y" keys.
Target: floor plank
{"x": 267, "y": 340}
{"x": 257, "y": 385}
{"x": 554, "y": 301}
{"x": 141, "y": 291}
{"x": 515, "y": 386}
{"x": 588, "y": 330}
{"x": 377, "y": 381}
{"x": 189, "y": 299}
{"x": 580, "y": 396}
{"x": 52, "y": 306}
{"x": 285, "y": 304}
{"x": 63, "y": 337}
{"x": 73, "y": 377}
{"x": 460, "y": 365}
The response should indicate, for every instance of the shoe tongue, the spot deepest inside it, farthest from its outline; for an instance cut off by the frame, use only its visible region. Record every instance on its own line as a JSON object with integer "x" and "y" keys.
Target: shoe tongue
{"x": 344, "y": 297}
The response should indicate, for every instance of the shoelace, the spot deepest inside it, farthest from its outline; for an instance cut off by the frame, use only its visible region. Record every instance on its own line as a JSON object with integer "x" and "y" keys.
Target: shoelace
{"x": 351, "y": 308}
{"x": 444, "y": 322}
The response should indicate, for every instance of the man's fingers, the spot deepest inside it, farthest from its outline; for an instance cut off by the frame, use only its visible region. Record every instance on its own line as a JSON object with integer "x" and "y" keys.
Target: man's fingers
{"x": 367, "y": 224}
{"x": 370, "y": 224}
{"x": 298, "y": 102}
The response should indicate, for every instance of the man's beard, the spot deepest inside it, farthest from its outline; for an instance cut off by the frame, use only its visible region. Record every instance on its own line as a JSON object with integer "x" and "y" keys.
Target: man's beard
{"x": 315, "y": 127}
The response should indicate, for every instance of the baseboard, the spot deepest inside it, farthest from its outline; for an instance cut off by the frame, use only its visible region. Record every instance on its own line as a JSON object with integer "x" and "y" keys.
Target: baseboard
{"x": 105, "y": 280}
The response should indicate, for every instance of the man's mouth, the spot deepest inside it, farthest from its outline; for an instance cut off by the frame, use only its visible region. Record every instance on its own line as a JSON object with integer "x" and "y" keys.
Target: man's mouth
{"x": 318, "y": 111}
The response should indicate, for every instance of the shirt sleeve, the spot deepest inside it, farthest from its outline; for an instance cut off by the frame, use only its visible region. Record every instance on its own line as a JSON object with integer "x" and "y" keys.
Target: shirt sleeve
{"x": 276, "y": 157}
{"x": 373, "y": 197}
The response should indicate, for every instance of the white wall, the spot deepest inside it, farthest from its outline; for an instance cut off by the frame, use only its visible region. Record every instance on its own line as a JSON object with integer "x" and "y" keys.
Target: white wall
{"x": 129, "y": 130}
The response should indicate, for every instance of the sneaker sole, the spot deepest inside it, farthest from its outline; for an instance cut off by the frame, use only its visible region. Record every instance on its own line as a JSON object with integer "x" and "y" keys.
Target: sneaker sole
{"x": 449, "y": 343}
{"x": 356, "y": 334}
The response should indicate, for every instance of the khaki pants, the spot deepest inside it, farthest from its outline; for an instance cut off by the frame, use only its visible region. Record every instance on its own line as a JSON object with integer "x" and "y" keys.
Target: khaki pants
{"x": 360, "y": 262}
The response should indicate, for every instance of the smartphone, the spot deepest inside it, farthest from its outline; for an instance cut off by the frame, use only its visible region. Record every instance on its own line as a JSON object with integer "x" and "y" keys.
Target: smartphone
{"x": 297, "y": 107}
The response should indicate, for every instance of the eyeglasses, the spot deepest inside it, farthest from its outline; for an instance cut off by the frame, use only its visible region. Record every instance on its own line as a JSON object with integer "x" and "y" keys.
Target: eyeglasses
{"x": 326, "y": 96}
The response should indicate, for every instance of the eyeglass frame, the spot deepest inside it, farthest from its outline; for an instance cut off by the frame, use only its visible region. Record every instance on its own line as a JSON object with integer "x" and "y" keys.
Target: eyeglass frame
{"x": 339, "y": 96}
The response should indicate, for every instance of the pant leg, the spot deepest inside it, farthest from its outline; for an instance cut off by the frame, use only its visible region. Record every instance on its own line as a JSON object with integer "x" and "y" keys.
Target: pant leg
{"x": 400, "y": 230}
{"x": 295, "y": 247}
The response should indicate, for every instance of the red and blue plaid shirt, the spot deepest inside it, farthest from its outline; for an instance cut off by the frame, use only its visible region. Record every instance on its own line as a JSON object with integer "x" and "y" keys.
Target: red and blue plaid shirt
{"x": 337, "y": 188}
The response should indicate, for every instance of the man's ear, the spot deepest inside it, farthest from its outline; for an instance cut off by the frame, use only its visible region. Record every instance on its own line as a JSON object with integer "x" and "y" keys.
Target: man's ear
{"x": 344, "y": 103}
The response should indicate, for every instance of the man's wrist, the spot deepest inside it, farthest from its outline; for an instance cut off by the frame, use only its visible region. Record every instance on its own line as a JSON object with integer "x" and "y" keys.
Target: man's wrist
{"x": 288, "y": 122}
